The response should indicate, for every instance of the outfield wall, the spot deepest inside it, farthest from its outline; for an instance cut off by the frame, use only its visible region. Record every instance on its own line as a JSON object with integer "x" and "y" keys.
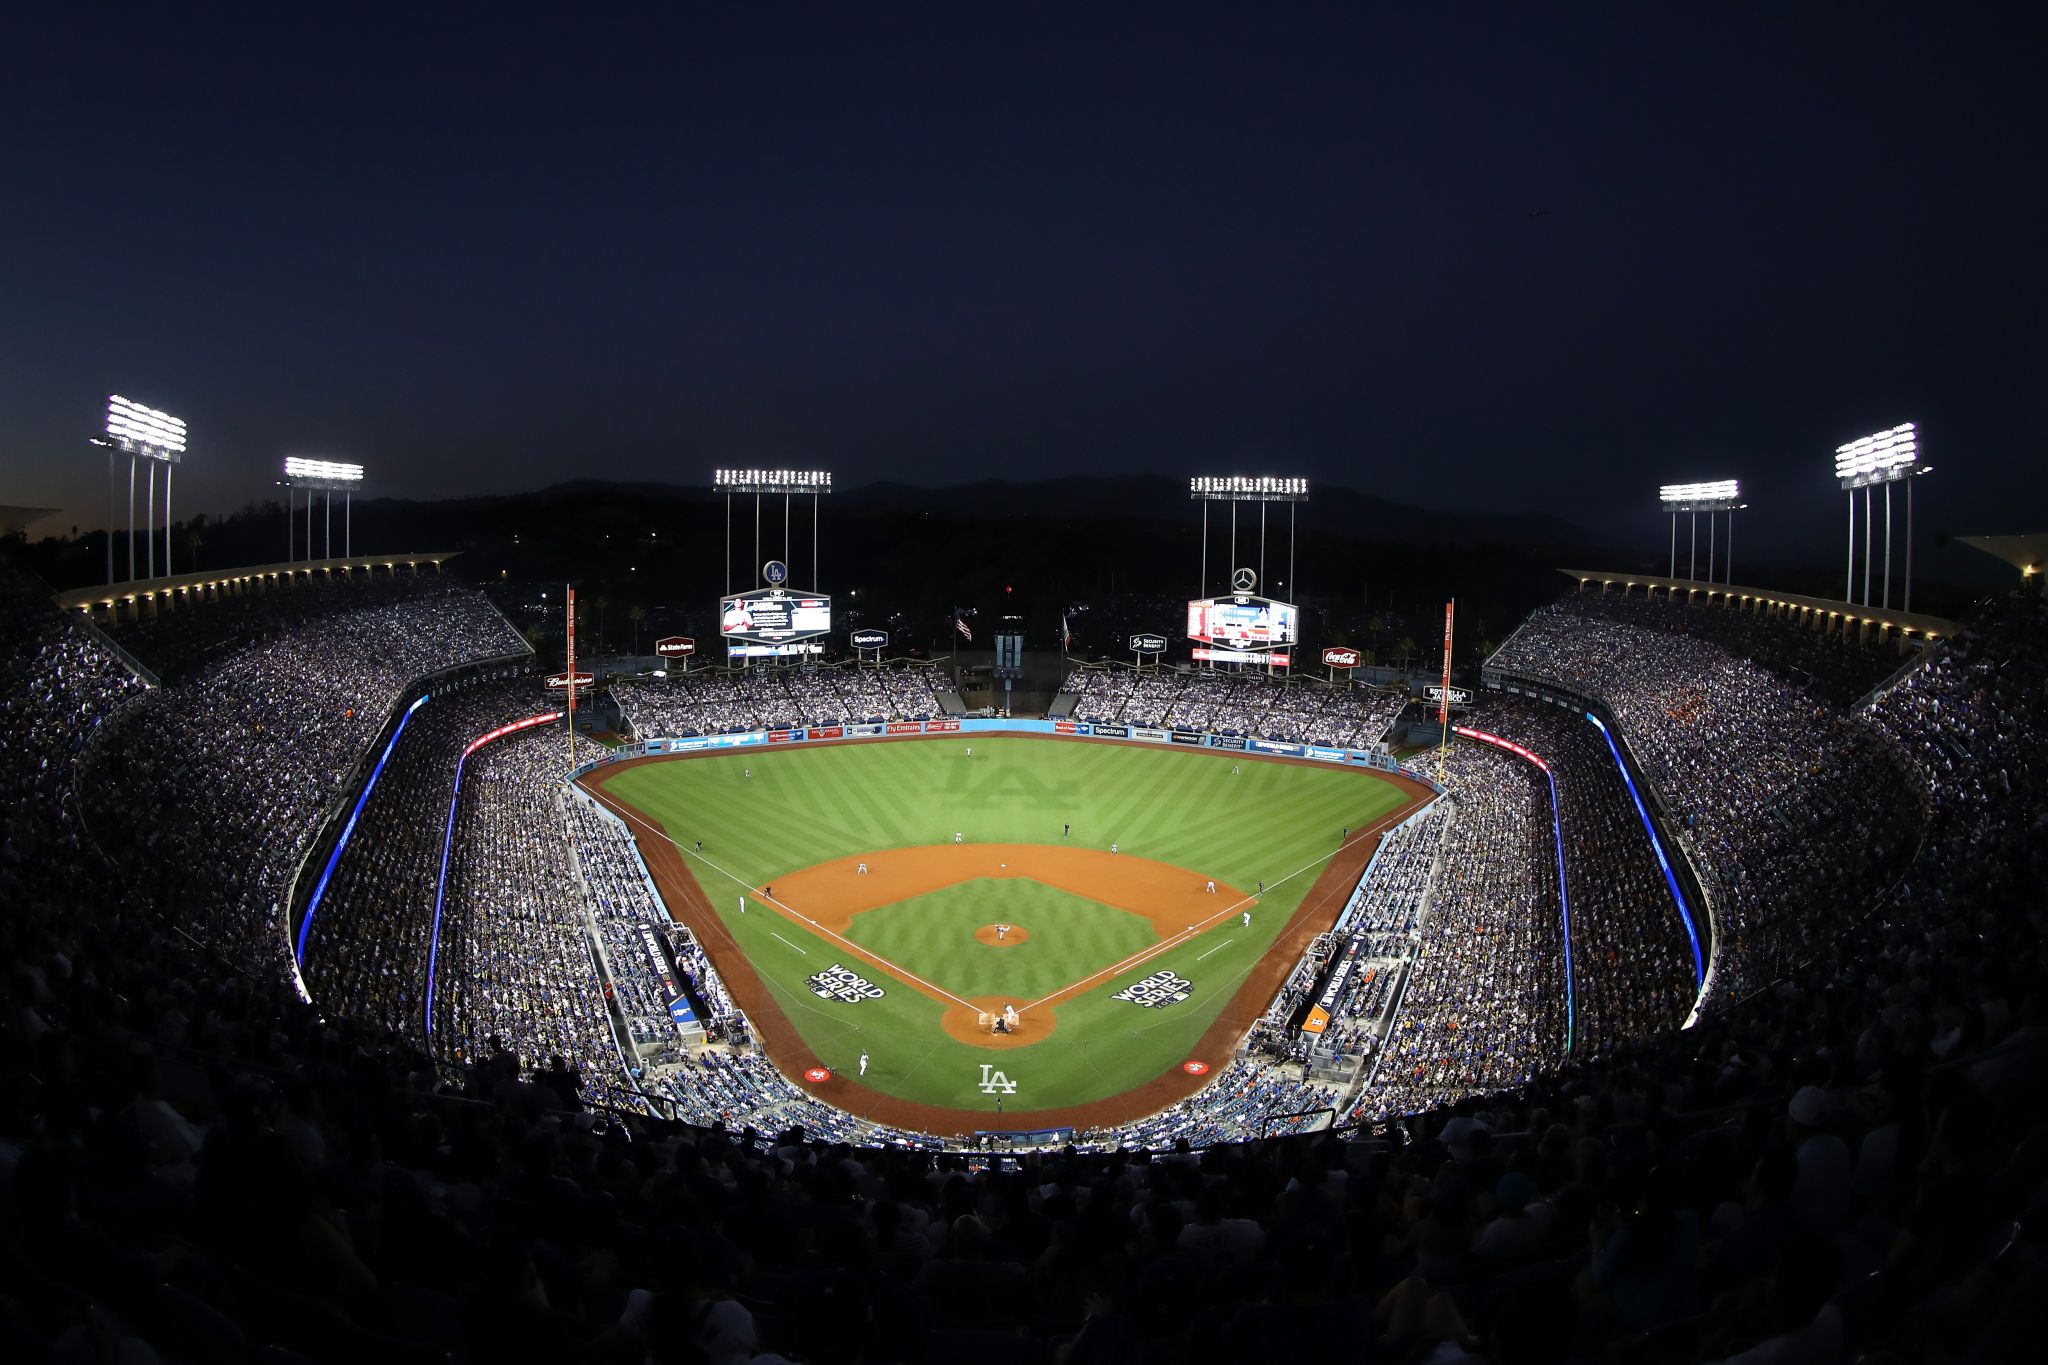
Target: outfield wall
{"x": 1073, "y": 729}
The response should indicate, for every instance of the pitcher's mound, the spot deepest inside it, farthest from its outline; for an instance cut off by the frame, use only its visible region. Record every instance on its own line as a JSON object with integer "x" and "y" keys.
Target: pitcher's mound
{"x": 987, "y": 934}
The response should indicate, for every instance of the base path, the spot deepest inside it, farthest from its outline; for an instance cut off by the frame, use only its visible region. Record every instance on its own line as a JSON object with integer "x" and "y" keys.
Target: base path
{"x": 686, "y": 900}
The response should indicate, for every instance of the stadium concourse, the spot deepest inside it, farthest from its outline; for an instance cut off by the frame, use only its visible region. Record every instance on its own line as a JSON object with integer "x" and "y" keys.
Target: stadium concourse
{"x": 1843, "y": 1157}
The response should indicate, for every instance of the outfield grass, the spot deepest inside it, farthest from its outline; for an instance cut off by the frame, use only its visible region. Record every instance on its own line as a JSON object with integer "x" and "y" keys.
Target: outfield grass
{"x": 1236, "y": 820}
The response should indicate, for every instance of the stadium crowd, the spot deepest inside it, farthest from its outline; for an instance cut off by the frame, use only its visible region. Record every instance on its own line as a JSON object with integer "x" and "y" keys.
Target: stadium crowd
{"x": 1791, "y": 812}
{"x": 718, "y": 701}
{"x": 1300, "y": 710}
{"x": 1849, "y": 1165}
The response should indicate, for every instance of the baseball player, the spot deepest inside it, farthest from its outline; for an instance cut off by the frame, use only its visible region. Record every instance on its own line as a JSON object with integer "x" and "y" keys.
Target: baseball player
{"x": 747, "y": 773}
{"x": 1065, "y": 830}
{"x": 956, "y": 837}
{"x": 1233, "y": 770}
{"x": 863, "y": 1063}
{"x": 743, "y": 905}
{"x": 862, "y": 870}
{"x": 1247, "y": 919}
{"x": 1002, "y": 932}
{"x": 1212, "y": 888}
{"x": 970, "y": 751}
{"x": 1112, "y": 848}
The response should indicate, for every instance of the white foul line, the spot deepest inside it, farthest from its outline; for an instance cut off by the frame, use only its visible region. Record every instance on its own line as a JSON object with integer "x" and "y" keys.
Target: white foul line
{"x": 773, "y": 934}
{"x": 1218, "y": 948}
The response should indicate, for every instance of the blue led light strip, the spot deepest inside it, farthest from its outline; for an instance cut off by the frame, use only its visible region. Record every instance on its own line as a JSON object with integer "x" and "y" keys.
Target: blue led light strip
{"x": 1699, "y": 966}
{"x": 320, "y": 889}
{"x": 441, "y": 889}
{"x": 1564, "y": 908}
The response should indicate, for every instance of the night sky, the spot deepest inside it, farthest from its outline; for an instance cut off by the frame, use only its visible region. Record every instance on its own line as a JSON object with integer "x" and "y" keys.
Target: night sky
{"x": 1456, "y": 255}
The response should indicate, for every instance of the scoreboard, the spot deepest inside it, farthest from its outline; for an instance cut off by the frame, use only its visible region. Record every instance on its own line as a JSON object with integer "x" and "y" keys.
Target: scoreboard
{"x": 1242, "y": 622}
{"x": 773, "y": 616}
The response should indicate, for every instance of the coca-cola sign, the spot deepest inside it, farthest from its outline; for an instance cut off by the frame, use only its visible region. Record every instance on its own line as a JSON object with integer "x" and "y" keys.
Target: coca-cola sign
{"x": 1338, "y": 657}
{"x": 675, "y": 647}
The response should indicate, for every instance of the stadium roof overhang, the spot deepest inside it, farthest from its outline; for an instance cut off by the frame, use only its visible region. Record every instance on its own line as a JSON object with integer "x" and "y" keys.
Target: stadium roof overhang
{"x": 1905, "y": 622}
{"x": 2027, "y": 553}
{"x": 14, "y": 519}
{"x": 146, "y": 589}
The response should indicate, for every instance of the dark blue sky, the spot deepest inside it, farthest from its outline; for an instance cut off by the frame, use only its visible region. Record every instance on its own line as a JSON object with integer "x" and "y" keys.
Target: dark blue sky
{"x": 1459, "y": 255}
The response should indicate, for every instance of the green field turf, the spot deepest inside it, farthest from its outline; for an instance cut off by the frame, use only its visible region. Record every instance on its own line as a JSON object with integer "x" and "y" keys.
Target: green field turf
{"x": 933, "y": 935}
{"x": 1271, "y": 822}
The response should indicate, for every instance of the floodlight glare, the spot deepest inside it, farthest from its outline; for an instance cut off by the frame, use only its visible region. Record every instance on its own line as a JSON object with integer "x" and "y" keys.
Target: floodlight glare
{"x": 771, "y": 480}
{"x": 1879, "y": 457}
{"x": 1680, "y": 497}
{"x": 330, "y": 471}
{"x": 140, "y": 430}
{"x": 1248, "y": 487}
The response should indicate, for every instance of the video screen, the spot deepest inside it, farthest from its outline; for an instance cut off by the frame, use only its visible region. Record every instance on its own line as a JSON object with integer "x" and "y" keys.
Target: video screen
{"x": 1253, "y": 623}
{"x": 770, "y": 619}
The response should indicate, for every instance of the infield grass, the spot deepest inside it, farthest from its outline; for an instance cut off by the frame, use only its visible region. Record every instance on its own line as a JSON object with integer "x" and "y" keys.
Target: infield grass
{"x": 1215, "y": 815}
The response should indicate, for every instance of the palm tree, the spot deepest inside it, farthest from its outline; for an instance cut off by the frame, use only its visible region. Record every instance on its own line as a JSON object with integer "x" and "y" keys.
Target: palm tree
{"x": 1405, "y": 649}
{"x": 636, "y": 614}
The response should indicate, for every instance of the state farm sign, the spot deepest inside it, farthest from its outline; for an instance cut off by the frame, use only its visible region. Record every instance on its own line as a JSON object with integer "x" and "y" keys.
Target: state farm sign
{"x": 675, "y": 647}
{"x": 1340, "y": 658}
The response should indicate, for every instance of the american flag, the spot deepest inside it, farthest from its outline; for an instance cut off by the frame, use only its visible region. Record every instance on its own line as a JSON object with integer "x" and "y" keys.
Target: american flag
{"x": 960, "y": 624}
{"x": 1066, "y": 633}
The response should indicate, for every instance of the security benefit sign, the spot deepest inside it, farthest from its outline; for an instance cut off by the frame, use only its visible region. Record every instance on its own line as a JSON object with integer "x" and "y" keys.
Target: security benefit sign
{"x": 846, "y": 986}
{"x": 1156, "y": 991}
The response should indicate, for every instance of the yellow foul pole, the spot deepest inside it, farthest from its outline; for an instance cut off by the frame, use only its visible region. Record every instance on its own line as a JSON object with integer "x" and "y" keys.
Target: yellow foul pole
{"x": 1443, "y": 704}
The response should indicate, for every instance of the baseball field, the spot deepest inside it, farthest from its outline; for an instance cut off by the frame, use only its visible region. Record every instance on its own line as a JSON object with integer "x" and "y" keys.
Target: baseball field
{"x": 1131, "y": 907}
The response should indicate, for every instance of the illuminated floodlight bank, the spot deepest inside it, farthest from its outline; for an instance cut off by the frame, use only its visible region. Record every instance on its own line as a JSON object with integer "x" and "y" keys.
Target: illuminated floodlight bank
{"x": 322, "y": 473}
{"x": 138, "y": 430}
{"x": 1715, "y": 495}
{"x": 1879, "y": 457}
{"x": 1248, "y": 488}
{"x": 771, "y": 480}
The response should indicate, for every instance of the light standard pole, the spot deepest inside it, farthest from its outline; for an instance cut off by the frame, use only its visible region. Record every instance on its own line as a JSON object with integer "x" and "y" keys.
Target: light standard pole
{"x": 1711, "y": 496}
{"x": 143, "y": 433}
{"x": 1883, "y": 457}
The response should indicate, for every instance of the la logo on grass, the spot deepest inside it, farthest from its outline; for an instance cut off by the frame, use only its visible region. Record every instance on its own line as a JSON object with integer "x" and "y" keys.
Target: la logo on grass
{"x": 993, "y": 1081}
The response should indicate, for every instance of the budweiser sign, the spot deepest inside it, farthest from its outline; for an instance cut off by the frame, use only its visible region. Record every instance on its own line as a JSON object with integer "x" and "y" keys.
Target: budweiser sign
{"x": 675, "y": 647}
{"x": 1340, "y": 658}
{"x": 557, "y": 682}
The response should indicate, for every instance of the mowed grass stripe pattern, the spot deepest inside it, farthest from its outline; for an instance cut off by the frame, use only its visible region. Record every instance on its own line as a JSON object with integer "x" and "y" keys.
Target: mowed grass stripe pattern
{"x": 934, "y": 936}
{"x": 802, "y": 806}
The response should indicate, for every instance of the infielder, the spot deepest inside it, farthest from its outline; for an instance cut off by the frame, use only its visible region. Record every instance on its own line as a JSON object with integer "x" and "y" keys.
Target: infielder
{"x": 956, "y": 837}
{"x": 862, "y": 870}
{"x": 1212, "y": 888}
{"x": 1247, "y": 919}
{"x": 743, "y": 905}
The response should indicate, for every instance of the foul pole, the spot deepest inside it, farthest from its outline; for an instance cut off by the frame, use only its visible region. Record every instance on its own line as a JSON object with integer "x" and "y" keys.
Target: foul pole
{"x": 571, "y": 689}
{"x": 1443, "y": 704}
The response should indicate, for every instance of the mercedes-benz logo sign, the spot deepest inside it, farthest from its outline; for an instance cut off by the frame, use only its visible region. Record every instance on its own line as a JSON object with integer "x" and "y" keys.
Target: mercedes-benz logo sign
{"x": 1243, "y": 580}
{"x": 775, "y": 573}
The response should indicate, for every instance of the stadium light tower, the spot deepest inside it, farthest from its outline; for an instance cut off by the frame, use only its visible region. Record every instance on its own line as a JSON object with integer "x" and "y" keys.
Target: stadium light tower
{"x": 141, "y": 433}
{"x": 322, "y": 476}
{"x": 1258, "y": 488}
{"x": 788, "y": 482}
{"x": 1883, "y": 457}
{"x": 1718, "y": 495}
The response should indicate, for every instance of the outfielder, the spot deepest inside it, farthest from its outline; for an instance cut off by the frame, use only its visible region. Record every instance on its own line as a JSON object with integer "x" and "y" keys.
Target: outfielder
{"x": 863, "y": 1063}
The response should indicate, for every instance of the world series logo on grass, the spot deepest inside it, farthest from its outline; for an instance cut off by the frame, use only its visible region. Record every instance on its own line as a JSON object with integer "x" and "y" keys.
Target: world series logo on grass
{"x": 837, "y": 983}
{"x": 1156, "y": 991}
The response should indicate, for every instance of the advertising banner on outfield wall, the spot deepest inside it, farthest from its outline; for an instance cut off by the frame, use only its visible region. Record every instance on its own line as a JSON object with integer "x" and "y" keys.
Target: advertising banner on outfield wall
{"x": 1147, "y": 732}
{"x": 1186, "y": 737}
{"x": 1113, "y": 731}
{"x": 903, "y": 727}
{"x": 1069, "y": 727}
{"x": 1273, "y": 746}
{"x": 862, "y": 731}
{"x": 1327, "y": 755}
{"x": 941, "y": 727}
{"x": 1226, "y": 741}
{"x": 827, "y": 731}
